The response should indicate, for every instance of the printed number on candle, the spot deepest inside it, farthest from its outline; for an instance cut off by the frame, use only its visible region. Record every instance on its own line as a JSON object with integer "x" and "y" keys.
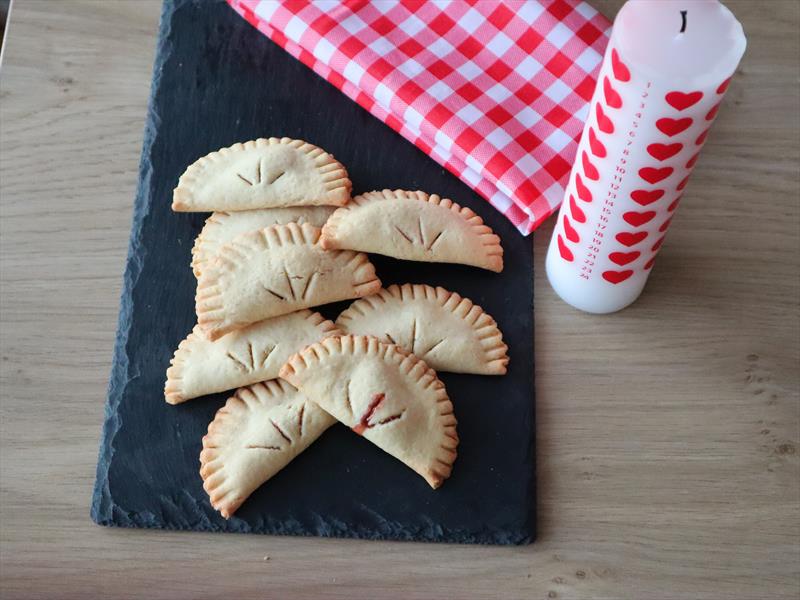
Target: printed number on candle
{"x": 617, "y": 179}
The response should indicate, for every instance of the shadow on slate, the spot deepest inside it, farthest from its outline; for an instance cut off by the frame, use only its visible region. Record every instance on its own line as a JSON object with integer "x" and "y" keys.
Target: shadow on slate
{"x": 218, "y": 81}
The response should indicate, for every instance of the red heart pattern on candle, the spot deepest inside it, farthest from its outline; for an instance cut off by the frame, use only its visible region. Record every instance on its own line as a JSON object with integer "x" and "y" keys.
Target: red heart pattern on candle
{"x": 723, "y": 87}
{"x": 631, "y": 239}
{"x": 673, "y": 127}
{"x": 657, "y": 245}
{"x": 613, "y": 99}
{"x": 565, "y": 252}
{"x": 637, "y": 219}
{"x": 663, "y": 151}
{"x": 651, "y": 175}
{"x": 616, "y": 277}
{"x": 570, "y": 232}
{"x": 577, "y": 214}
{"x": 583, "y": 191}
{"x": 659, "y": 150}
{"x": 604, "y": 124}
{"x": 621, "y": 72}
{"x": 589, "y": 169}
{"x": 596, "y": 145}
{"x": 645, "y": 197}
{"x": 623, "y": 258}
{"x": 682, "y": 101}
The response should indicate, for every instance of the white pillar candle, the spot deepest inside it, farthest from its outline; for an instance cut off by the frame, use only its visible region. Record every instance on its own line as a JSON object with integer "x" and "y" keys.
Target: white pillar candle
{"x": 665, "y": 71}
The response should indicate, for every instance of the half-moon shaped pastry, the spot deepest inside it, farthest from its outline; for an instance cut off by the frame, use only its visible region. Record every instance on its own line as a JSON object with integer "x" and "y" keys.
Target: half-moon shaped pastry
{"x": 274, "y": 271}
{"x": 263, "y": 173}
{"x": 414, "y": 226}
{"x": 223, "y": 227}
{"x": 257, "y": 433}
{"x": 380, "y": 391}
{"x": 448, "y": 332}
{"x": 255, "y": 353}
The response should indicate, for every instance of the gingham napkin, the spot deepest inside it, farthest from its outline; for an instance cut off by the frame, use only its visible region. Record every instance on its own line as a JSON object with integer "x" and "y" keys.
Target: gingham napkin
{"x": 496, "y": 91}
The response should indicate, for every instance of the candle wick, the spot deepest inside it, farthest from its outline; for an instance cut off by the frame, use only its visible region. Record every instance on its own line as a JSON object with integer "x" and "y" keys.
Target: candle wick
{"x": 683, "y": 24}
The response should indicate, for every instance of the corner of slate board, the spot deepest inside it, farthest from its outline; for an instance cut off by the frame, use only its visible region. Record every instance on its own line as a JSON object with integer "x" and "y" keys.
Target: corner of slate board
{"x": 217, "y": 81}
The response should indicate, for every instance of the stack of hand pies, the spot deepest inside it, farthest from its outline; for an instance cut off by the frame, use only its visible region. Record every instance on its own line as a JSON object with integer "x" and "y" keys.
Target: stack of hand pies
{"x": 285, "y": 236}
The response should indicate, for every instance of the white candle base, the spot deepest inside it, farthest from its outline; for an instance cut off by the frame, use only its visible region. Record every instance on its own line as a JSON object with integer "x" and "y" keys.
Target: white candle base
{"x": 583, "y": 295}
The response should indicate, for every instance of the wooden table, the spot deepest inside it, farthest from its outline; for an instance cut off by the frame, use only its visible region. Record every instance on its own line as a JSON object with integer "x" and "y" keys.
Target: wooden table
{"x": 667, "y": 434}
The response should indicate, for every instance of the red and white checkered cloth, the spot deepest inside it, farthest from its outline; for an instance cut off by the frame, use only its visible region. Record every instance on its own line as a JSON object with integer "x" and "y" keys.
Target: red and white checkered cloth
{"x": 496, "y": 91}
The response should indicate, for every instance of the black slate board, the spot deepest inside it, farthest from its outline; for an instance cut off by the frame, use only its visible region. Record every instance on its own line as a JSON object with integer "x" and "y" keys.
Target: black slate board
{"x": 218, "y": 81}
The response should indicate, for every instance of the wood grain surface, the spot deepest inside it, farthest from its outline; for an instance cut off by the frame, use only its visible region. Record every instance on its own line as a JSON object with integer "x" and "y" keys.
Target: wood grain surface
{"x": 667, "y": 434}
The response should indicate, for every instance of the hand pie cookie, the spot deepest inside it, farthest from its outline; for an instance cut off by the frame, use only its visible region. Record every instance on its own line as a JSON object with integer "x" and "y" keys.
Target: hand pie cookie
{"x": 274, "y": 271}
{"x": 255, "y": 353}
{"x": 380, "y": 391}
{"x": 223, "y": 227}
{"x": 448, "y": 332}
{"x": 257, "y": 433}
{"x": 263, "y": 173}
{"x": 413, "y": 226}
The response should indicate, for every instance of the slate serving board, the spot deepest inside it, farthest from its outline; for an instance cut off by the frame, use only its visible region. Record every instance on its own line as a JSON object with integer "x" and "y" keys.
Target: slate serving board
{"x": 218, "y": 81}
